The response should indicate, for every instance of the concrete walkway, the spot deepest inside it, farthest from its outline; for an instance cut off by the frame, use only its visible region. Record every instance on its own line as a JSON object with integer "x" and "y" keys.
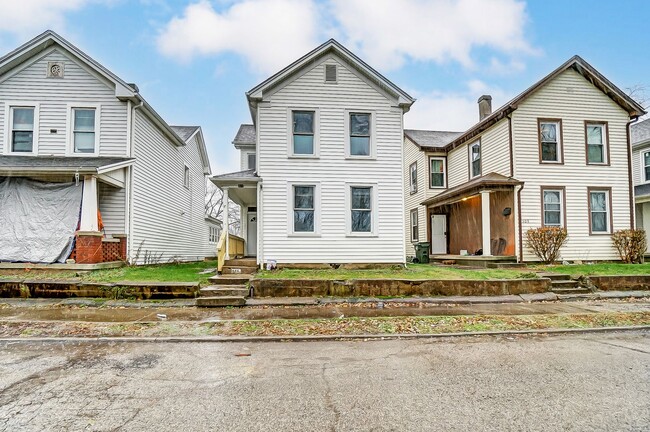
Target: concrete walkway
{"x": 116, "y": 311}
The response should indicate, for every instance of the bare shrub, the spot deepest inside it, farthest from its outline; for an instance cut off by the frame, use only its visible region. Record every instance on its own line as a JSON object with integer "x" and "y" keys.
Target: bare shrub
{"x": 546, "y": 242}
{"x": 631, "y": 245}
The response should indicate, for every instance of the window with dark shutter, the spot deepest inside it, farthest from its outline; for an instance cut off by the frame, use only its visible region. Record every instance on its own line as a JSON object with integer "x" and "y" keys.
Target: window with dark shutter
{"x": 330, "y": 73}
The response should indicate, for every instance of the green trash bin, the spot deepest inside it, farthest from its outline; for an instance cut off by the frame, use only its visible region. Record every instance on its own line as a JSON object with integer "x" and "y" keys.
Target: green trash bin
{"x": 422, "y": 252}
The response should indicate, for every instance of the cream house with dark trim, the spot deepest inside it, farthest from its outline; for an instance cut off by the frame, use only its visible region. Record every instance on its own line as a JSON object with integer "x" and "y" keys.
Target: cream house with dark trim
{"x": 558, "y": 154}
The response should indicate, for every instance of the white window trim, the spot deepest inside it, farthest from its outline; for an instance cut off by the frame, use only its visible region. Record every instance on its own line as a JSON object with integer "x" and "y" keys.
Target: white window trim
{"x": 373, "y": 134}
{"x": 444, "y": 171}
{"x": 187, "y": 175}
{"x": 416, "y": 225}
{"x": 290, "y": 152}
{"x": 9, "y": 123}
{"x": 348, "y": 210}
{"x": 608, "y": 209}
{"x": 336, "y": 66}
{"x": 290, "y": 206}
{"x": 562, "y": 201}
{"x": 469, "y": 157}
{"x": 603, "y": 127}
{"x": 213, "y": 239}
{"x": 70, "y": 129}
{"x": 413, "y": 186}
{"x": 558, "y": 137}
{"x": 642, "y": 153}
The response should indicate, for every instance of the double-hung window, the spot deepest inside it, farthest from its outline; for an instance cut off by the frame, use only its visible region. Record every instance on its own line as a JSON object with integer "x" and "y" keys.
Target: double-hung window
{"x": 83, "y": 130}
{"x": 553, "y": 207}
{"x": 361, "y": 209}
{"x": 251, "y": 160}
{"x": 475, "y": 159}
{"x": 413, "y": 170}
{"x": 415, "y": 231}
{"x": 304, "y": 209}
{"x": 645, "y": 163}
{"x": 360, "y": 133}
{"x": 596, "y": 143}
{"x": 437, "y": 171}
{"x": 599, "y": 211}
{"x": 550, "y": 145}
{"x": 22, "y": 129}
{"x": 303, "y": 132}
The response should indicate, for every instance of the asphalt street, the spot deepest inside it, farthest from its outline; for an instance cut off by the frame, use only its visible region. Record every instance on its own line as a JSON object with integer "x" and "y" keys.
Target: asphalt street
{"x": 543, "y": 383}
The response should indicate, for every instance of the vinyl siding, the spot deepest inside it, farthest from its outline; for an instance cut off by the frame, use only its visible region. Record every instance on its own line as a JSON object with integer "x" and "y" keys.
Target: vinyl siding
{"x": 637, "y": 164}
{"x": 243, "y": 157}
{"x": 111, "y": 206}
{"x": 413, "y": 153}
{"x": 574, "y": 100}
{"x": 332, "y": 170}
{"x": 78, "y": 86}
{"x": 458, "y": 166}
{"x": 168, "y": 218}
{"x": 495, "y": 149}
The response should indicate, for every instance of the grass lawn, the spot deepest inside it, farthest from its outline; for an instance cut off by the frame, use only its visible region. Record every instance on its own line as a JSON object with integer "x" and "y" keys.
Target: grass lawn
{"x": 412, "y": 271}
{"x": 183, "y": 272}
{"x": 600, "y": 269}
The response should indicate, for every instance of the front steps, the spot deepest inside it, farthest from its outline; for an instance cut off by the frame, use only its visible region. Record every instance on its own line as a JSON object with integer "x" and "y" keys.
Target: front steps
{"x": 230, "y": 288}
{"x": 564, "y": 284}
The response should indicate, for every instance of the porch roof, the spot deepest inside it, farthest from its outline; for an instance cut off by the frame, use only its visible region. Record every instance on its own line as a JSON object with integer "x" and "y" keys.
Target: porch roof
{"x": 642, "y": 192}
{"x": 25, "y": 165}
{"x": 229, "y": 179}
{"x": 491, "y": 181}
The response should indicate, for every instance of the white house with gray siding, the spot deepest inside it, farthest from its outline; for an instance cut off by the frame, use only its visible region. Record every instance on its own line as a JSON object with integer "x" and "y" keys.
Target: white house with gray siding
{"x": 64, "y": 118}
{"x": 558, "y": 154}
{"x": 326, "y": 185}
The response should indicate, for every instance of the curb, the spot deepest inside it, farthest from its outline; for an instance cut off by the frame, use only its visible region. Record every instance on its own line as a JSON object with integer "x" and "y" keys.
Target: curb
{"x": 316, "y": 338}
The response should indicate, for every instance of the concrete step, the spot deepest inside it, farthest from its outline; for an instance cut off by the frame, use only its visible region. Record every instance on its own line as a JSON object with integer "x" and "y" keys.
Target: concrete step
{"x": 555, "y": 276}
{"x": 564, "y": 284}
{"x": 224, "y": 291}
{"x": 246, "y": 262}
{"x": 506, "y": 265}
{"x": 230, "y": 279}
{"x": 228, "y": 269}
{"x": 576, "y": 290}
{"x": 220, "y": 301}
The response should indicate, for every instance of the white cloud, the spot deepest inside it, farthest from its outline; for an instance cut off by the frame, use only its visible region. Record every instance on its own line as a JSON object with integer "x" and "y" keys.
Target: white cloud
{"x": 26, "y": 18}
{"x": 451, "y": 111}
{"x": 388, "y": 33}
{"x": 269, "y": 34}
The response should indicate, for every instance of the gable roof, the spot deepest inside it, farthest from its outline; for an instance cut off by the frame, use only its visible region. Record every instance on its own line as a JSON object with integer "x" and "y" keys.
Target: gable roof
{"x": 331, "y": 46}
{"x": 187, "y": 133}
{"x": 576, "y": 63}
{"x": 123, "y": 90}
{"x": 431, "y": 140}
{"x": 246, "y": 135}
{"x": 640, "y": 132}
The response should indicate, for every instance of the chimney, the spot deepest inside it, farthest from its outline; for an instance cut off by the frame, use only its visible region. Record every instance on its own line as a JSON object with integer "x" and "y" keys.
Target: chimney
{"x": 484, "y": 106}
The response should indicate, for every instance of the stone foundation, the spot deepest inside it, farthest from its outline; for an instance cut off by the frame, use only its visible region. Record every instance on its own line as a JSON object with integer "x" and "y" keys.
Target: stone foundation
{"x": 394, "y": 288}
{"x": 621, "y": 283}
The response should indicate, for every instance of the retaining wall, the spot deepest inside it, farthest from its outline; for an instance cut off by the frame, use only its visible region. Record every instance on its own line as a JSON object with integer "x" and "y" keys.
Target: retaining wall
{"x": 621, "y": 283}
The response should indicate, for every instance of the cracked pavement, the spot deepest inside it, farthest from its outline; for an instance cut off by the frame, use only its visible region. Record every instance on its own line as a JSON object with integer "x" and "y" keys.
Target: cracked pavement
{"x": 577, "y": 382}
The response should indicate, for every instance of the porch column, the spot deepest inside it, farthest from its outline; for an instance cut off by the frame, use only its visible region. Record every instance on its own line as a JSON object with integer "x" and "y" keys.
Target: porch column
{"x": 226, "y": 220}
{"x": 485, "y": 219}
{"x": 89, "y": 205}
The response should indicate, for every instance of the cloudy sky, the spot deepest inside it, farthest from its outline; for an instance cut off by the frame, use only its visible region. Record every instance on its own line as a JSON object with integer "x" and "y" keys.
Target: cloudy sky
{"x": 194, "y": 60}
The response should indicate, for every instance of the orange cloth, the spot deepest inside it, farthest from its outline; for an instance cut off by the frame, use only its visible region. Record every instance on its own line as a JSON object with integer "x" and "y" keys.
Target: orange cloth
{"x": 100, "y": 224}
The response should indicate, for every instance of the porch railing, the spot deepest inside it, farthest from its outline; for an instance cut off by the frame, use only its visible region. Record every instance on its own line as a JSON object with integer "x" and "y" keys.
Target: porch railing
{"x": 236, "y": 248}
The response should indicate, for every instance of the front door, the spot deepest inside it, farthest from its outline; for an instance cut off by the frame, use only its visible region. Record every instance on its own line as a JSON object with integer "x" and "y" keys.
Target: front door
{"x": 251, "y": 234}
{"x": 438, "y": 234}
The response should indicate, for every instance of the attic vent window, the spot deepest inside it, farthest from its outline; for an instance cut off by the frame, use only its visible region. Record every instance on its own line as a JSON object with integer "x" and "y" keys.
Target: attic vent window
{"x": 330, "y": 73}
{"x": 55, "y": 69}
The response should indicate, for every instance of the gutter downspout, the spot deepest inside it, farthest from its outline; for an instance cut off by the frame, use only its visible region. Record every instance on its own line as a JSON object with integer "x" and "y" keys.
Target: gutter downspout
{"x": 129, "y": 239}
{"x": 630, "y": 175}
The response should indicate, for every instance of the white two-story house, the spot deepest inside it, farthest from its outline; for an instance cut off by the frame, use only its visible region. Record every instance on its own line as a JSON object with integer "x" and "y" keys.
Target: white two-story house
{"x": 558, "y": 154}
{"x": 88, "y": 170}
{"x": 321, "y": 176}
